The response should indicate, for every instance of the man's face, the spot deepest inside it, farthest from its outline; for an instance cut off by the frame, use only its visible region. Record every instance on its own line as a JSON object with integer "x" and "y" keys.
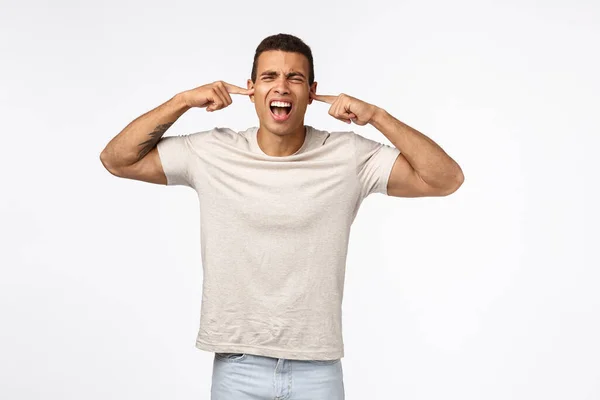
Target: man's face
{"x": 281, "y": 77}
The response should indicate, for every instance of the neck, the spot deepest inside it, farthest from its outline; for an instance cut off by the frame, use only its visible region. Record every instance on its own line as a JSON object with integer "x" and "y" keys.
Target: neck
{"x": 280, "y": 145}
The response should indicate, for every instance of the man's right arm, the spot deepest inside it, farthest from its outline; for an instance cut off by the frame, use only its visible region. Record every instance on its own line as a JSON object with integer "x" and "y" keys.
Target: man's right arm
{"x": 132, "y": 153}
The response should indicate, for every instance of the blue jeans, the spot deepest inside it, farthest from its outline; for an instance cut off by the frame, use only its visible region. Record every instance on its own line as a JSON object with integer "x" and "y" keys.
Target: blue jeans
{"x": 251, "y": 377}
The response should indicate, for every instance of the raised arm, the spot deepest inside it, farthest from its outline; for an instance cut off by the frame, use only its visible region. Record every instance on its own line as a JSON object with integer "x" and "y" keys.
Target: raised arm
{"x": 132, "y": 153}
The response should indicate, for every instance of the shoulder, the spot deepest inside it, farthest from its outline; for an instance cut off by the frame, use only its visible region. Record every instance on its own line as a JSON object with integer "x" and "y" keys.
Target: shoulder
{"x": 363, "y": 143}
{"x": 329, "y": 137}
{"x": 200, "y": 139}
{"x": 230, "y": 136}
{"x": 193, "y": 138}
{"x": 358, "y": 142}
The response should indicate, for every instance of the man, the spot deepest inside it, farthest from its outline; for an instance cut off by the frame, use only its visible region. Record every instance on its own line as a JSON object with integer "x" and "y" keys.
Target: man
{"x": 277, "y": 202}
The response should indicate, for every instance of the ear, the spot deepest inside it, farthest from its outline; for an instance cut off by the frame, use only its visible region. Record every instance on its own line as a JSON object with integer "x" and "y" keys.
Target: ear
{"x": 250, "y": 85}
{"x": 313, "y": 90}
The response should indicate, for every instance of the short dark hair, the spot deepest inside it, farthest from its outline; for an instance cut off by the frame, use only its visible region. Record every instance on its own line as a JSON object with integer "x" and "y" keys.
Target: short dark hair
{"x": 284, "y": 42}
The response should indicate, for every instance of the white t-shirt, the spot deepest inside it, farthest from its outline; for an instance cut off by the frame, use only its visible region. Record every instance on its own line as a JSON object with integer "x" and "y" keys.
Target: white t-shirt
{"x": 274, "y": 235}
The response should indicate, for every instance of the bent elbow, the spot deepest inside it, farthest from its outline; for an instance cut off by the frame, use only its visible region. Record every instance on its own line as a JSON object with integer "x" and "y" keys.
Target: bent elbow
{"x": 107, "y": 164}
{"x": 456, "y": 183}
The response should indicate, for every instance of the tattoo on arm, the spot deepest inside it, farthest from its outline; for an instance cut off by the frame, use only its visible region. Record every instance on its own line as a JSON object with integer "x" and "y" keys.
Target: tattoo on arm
{"x": 154, "y": 138}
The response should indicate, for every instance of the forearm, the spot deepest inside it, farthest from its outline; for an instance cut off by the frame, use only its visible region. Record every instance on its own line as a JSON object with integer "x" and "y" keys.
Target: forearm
{"x": 142, "y": 134}
{"x": 426, "y": 157}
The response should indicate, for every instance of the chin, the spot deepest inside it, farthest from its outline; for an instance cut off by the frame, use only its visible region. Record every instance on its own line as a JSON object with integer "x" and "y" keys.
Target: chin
{"x": 281, "y": 129}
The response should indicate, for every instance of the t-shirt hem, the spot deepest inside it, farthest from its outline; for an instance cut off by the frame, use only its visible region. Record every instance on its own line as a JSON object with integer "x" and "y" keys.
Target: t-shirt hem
{"x": 270, "y": 352}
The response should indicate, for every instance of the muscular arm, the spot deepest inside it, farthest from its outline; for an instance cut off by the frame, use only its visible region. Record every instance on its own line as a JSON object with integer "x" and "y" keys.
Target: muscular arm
{"x": 423, "y": 168}
{"x": 132, "y": 153}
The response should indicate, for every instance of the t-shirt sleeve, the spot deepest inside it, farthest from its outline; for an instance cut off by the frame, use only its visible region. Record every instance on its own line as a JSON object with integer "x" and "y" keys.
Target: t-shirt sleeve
{"x": 374, "y": 162}
{"x": 175, "y": 154}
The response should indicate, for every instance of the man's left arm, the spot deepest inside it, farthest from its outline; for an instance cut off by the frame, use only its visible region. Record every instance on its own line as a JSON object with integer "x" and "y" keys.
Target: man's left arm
{"x": 421, "y": 169}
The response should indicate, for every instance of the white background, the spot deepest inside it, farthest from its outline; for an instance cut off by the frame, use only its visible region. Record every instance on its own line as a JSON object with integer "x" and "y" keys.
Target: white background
{"x": 490, "y": 293}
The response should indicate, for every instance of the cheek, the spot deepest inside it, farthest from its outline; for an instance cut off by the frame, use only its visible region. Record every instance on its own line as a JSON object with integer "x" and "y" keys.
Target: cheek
{"x": 303, "y": 97}
{"x": 303, "y": 102}
{"x": 260, "y": 95}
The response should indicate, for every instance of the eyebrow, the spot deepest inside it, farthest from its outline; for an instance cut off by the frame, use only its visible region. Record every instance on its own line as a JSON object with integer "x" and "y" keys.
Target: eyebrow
{"x": 288, "y": 75}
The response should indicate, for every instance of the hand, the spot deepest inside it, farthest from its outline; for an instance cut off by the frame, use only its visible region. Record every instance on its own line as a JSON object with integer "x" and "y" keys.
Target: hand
{"x": 347, "y": 108}
{"x": 214, "y": 96}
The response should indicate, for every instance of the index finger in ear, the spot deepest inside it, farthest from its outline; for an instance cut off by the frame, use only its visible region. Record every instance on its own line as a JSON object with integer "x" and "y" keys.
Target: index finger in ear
{"x": 238, "y": 90}
{"x": 324, "y": 98}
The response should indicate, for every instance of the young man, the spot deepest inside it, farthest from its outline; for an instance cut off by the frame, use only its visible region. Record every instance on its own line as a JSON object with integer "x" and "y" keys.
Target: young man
{"x": 277, "y": 202}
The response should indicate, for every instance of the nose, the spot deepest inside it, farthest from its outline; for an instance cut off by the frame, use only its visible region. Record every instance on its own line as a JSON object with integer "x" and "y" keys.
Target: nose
{"x": 281, "y": 87}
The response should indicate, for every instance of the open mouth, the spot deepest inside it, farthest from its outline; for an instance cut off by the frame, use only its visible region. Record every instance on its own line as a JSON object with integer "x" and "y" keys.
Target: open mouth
{"x": 280, "y": 110}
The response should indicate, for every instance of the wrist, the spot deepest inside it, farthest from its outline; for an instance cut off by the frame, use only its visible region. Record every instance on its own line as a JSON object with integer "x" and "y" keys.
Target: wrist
{"x": 181, "y": 101}
{"x": 377, "y": 116}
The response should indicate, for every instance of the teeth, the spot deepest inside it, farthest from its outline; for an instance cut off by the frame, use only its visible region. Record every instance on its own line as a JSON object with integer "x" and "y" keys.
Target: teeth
{"x": 280, "y": 104}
